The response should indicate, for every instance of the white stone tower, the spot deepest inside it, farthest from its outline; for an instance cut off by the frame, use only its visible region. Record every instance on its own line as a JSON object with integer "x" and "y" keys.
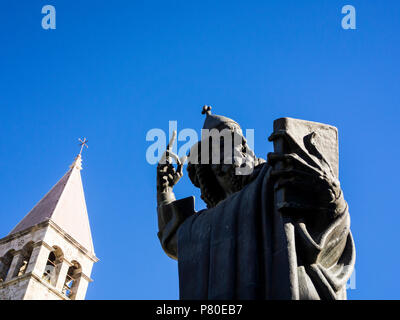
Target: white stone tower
{"x": 49, "y": 255}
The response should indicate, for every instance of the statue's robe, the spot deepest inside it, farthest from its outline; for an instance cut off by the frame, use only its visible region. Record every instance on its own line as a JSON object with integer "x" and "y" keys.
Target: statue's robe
{"x": 246, "y": 249}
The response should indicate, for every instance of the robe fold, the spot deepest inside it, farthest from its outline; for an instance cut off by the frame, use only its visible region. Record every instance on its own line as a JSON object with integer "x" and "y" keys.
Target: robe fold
{"x": 244, "y": 248}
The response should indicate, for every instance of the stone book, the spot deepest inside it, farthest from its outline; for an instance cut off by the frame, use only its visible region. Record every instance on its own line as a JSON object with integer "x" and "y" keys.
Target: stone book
{"x": 312, "y": 143}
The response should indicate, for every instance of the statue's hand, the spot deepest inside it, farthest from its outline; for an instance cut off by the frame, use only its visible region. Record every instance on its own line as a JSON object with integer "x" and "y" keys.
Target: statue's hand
{"x": 167, "y": 175}
{"x": 316, "y": 190}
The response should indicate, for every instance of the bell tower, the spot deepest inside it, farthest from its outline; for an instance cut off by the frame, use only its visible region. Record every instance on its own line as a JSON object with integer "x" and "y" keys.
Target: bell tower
{"x": 49, "y": 255}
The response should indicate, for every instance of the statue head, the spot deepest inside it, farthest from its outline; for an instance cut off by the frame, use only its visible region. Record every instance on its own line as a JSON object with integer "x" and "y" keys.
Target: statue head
{"x": 221, "y": 163}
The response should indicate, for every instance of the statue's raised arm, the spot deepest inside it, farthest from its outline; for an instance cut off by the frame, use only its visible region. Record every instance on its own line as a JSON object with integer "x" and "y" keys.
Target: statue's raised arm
{"x": 171, "y": 213}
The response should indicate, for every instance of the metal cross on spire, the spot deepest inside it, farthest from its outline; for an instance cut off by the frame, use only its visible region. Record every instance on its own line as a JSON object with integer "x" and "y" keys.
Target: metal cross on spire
{"x": 83, "y": 143}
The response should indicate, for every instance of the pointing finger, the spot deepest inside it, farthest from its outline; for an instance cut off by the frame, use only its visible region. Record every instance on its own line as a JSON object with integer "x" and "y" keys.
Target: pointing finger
{"x": 172, "y": 141}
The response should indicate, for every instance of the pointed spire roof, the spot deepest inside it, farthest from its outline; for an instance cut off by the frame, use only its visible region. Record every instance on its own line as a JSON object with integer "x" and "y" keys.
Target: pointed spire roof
{"x": 65, "y": 205}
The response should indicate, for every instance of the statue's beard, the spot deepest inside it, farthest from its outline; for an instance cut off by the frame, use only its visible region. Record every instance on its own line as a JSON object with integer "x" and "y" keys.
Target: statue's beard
{"x": 212, "y": 192}
{"x": 234, "y": 181}
{"x": 234, "y": 176}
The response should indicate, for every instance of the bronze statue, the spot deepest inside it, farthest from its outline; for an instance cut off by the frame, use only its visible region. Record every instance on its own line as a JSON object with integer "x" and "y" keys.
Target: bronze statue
{"x": 282, "y": 231}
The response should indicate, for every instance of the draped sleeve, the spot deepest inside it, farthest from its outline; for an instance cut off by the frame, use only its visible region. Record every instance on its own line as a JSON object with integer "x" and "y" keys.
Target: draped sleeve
{"x": 170, "y": 218}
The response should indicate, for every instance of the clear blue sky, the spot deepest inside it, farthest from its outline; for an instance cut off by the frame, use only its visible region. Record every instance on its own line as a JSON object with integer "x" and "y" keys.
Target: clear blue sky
{"x": 112, "y": 70}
